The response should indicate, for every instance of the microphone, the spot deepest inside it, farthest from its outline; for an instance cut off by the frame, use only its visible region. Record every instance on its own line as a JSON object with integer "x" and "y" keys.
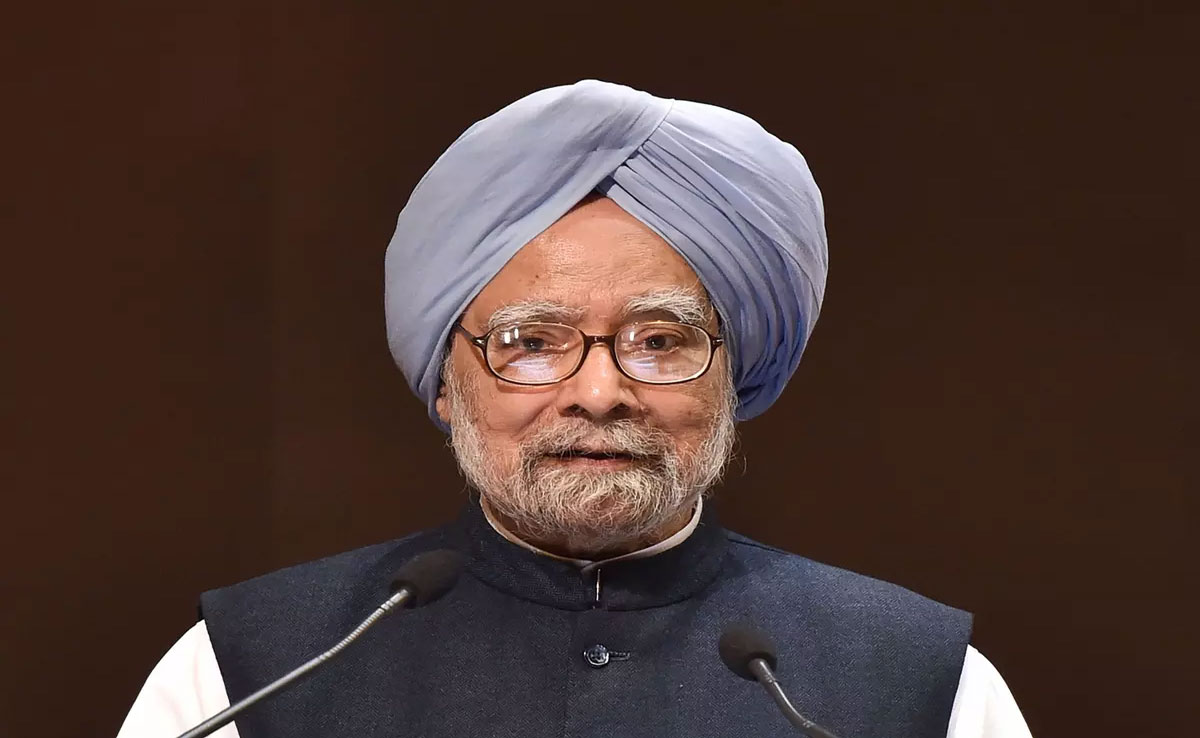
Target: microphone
{"x": 749, "y": 653}
{"x": 423, "y": 579}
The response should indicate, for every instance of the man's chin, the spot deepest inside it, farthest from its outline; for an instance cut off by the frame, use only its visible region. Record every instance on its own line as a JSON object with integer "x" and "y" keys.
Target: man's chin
{"x": 591, "y": 541}
{"x": 601, "y": 522}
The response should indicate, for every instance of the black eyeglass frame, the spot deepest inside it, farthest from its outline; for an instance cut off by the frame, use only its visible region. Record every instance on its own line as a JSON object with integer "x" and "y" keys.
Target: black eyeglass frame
{"x": 481, "y": 343}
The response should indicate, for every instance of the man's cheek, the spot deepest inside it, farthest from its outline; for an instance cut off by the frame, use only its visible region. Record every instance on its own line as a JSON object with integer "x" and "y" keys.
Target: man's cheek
{"x": 514, "y": 416}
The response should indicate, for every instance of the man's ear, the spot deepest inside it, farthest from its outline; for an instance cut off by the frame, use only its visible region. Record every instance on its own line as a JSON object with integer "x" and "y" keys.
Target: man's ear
{"x": 442, "y": 404}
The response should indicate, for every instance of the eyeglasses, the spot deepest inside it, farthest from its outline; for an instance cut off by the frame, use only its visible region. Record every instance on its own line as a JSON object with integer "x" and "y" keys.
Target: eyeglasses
{"x": 655, "y": 352}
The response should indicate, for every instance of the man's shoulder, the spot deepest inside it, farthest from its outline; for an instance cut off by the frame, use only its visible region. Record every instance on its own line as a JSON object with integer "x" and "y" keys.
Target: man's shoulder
{"x": 782, "y": 578}
{"x": 341, "y": 576}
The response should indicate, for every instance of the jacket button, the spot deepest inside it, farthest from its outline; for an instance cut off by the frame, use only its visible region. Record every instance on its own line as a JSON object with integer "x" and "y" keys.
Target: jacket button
{"x": 596, "y": 656}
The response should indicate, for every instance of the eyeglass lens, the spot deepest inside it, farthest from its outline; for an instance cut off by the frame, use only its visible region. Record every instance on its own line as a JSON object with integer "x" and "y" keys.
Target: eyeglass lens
{"x": 656, "y": 352}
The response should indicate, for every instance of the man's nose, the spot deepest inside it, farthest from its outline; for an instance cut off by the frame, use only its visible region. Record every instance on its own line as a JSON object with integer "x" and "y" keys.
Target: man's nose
{"x": 598, "y": 390}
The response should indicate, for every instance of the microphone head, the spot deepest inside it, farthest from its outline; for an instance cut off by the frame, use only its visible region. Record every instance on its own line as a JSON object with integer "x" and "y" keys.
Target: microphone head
{"x": 428, "y": 575}
{"x": 740, "y": 644}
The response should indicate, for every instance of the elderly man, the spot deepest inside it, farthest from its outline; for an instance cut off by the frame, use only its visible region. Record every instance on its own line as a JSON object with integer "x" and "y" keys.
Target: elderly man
{"x": 588, "y": 289}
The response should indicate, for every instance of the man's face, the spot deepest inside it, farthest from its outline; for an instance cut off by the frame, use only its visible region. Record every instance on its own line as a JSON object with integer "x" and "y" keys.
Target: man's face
{"x": 597, "y": 268}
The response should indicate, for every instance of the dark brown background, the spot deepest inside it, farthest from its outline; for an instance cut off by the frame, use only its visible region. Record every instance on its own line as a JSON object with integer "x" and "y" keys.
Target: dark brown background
{"x": 997, "y": 408}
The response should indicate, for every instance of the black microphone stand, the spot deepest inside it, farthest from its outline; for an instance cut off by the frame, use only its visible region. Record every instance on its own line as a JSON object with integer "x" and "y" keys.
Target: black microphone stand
{"x": 398, "y": 600}
{"x": 762, "y": 672}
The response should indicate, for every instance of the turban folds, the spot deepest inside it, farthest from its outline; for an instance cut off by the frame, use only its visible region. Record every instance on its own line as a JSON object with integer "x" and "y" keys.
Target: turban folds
{"x": 737, "y": 203}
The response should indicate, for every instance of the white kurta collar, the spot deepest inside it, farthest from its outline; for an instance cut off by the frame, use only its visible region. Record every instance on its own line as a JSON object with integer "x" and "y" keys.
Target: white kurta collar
{"x": 586, "y": 564}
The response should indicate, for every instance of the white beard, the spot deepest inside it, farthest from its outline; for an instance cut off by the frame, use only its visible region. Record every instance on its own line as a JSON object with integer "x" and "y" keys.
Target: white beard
{"x": 597, "y": 510}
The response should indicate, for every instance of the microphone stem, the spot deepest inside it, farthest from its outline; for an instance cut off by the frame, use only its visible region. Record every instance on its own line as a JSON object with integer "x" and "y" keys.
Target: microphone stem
{"x": 762, "y": 672}
{"x": 228, "y": 714}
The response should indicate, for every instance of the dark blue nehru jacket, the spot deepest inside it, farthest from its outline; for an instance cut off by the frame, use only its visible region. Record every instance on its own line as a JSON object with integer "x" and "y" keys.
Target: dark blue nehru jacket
{"x": 526, "y": 646}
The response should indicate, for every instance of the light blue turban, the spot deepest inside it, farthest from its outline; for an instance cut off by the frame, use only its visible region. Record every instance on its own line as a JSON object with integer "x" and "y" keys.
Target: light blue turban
{"x": 736, "y": 202}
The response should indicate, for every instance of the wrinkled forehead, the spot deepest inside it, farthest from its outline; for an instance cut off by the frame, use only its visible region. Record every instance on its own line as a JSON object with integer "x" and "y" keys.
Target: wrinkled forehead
{"x": 595, "y": 264}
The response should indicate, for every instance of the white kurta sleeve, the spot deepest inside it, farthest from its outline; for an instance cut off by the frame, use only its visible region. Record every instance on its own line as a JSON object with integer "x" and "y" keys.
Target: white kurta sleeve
{"x": 983, "y": 706}
{"x": 184, "y": 689}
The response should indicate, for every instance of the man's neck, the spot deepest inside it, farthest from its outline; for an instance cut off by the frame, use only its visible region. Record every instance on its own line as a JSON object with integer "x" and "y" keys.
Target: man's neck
{"x": 564, "y": 549}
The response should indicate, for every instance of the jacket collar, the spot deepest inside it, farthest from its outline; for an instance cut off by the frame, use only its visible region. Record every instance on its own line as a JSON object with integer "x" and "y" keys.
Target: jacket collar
{"x": 625, "y": 583}
{"x": 588, "y": 564}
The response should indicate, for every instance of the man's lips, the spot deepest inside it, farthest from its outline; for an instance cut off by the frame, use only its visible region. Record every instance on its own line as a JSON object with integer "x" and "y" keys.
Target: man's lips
{"x": 598, "y": 455}
{"x": 594, "y": 456}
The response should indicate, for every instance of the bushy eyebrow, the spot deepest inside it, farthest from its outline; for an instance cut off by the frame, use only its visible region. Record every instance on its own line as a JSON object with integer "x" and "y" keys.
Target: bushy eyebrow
{"x": 684, "y": 305}
{"x": 681, "y": 304}
{"x": 534, "y": 311}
